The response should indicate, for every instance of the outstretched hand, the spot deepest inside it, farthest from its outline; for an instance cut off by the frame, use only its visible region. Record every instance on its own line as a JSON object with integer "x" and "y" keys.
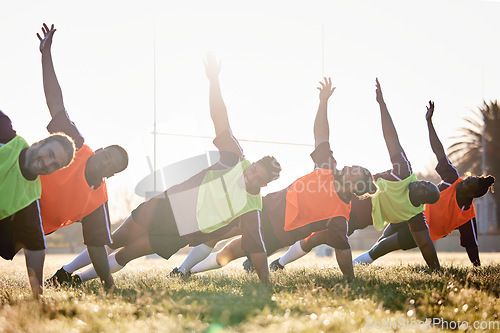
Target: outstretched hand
{"x": 430, "y": 111}
{"x": 326, "y": 90}
{"x": 46, "y": 41}
{"x": 378, "y": 92}
{"x": 212, "y": 67}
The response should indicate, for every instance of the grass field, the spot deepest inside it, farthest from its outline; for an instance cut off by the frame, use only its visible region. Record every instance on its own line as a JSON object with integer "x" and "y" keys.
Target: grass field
{"x": 396, "y": 294}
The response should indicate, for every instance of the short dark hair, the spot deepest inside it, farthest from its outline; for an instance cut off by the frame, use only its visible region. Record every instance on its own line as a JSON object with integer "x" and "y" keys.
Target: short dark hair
{"x": 65, "y": 141}
{"x": 484, "y": 184}
{"x": 124, "y": 155}
{"x": 366, "y": 184}
{"x": 272, "y": 167}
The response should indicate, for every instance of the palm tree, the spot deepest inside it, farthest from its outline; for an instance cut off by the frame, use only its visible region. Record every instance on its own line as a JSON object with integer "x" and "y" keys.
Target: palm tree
{"x": 467, "y": 152}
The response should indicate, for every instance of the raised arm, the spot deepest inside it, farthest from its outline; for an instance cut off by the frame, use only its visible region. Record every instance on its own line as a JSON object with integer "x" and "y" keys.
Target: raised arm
{"x": 388, "y": 129}
{"x": 53, "y": 93}
{"x": 321, "y": 126}
{"x": 436, "y": 145}
{"x": 218, "y": 110}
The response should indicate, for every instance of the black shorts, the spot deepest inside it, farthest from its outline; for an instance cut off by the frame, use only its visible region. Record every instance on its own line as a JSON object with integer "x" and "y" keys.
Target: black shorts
{"x": 96, "y": 227}
{"x": 335, "y": 228}
{"x": 22, "y": 230}
{"x": 157, "y": 216}
{"x": 403, "y": 230}
{"x": 270, "y": 240}
{"x": 405, "y": 239}
{"x": 417, "y": 223}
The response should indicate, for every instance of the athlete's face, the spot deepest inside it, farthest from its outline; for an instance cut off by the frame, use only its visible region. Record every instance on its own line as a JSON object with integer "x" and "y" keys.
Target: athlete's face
{"x": 468, "y": 186}
{"x": 255, "y": 176}
{"x": 45, "y": 158}
{"x": 352, "y": 175}
{"x": 105, "y": 162}
{"x": 424, "y": 192}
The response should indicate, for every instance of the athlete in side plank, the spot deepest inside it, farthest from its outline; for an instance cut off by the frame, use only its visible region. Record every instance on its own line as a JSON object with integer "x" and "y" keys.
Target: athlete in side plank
{"x": 78, "y": 192}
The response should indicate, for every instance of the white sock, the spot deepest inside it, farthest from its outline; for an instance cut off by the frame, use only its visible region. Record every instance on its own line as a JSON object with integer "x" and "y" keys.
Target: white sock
{"x": 196, "y": 255}
{"x": 209, "y": 263}
{"x": 82, "y": 260}
{"x": 90, "y": 272}
{"x": 363, "y": 259}
{"x": 108, "y": 249}
{"x": 294, "y": 252}
{"x": 114, "y": 266}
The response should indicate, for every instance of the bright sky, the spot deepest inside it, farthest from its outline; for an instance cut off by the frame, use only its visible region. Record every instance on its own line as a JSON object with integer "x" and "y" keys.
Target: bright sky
{"x": 273, "y": 55}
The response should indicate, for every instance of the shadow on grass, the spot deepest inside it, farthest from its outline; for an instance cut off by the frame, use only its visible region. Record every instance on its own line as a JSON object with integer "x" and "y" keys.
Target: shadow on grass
{"x": 224, "y": 300}
{"x": 393, "y": 286}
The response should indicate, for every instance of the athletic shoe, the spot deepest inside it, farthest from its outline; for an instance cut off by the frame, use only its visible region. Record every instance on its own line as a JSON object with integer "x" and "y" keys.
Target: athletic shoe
{"x": 275, "y": 266}
{"x": 76, "y": 281}
{"x": 177, "y": 273}
{"x": 60, "y": 278}
{"x": 248, "y": 266}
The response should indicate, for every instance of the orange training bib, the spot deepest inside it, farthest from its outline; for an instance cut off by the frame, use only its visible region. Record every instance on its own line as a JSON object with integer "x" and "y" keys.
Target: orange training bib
{"x": 313, "y": 198}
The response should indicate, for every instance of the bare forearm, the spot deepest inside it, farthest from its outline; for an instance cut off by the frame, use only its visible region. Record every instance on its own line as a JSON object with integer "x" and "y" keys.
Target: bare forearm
{"x": 53, "y": 93}
{"x": 389, "y": 131}
{"x": 436, "y": 145}
{"x": 388, "y": 128}
{"x": 473, "y": 253}
{"x": 218, "y": 110}
{"x": 259, "y": 261}
{"x": 34, "y": 264}
{"x": 321, "y": 126}
{"x": 99, "y": 258}
{"x": 344, "y": 259}
{"x": 424, "y": 242}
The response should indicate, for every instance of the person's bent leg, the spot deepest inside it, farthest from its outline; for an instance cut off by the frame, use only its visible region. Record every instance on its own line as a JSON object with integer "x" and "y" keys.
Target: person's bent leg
{"x": 379, "y": 249}
{"x": 388, "y": 242}
{"x": 82, "y": 260}
{"x": 127, "y": 233}
{"x": 34, "y": 264}
{"x": 389, "y": 230}
{"x": 201, "y": 252}
{"x": 363, "y": 259}
{"x": 119, "y": 259}
{"x": 300, "y": 249}
{"x": 196, "y": 255}
{"x": 386, "y": 245}
{"x": 90, "y": 273}
{"x": 230, "y": 252}
{"x": 366, "y": 258}
{"x": 315, "y": 239}
{"x": 293, "y": 253}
